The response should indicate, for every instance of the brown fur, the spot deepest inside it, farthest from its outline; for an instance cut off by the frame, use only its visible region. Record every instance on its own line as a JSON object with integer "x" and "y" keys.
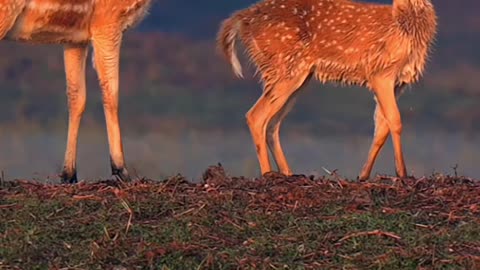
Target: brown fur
{"x": 378, "y": 46}
{"x": 76, "y": 24}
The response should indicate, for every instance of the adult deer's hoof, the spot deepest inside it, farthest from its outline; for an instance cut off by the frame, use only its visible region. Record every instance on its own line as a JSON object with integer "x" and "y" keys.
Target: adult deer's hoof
{"x": 69, "y": 177}
{"x": 121, "y": 174}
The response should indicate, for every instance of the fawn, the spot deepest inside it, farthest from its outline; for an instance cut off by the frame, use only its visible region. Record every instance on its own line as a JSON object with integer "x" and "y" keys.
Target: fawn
{"x": 381, "y": 47}
{"x": 76, "y": 24}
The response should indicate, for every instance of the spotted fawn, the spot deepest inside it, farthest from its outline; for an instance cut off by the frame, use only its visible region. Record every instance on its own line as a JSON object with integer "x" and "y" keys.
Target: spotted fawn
{"x": 381, "y": 47}
{"x": 76, "y": 24}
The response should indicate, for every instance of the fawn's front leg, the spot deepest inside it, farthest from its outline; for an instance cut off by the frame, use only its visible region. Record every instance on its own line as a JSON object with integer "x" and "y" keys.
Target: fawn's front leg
{"x": 106, "y": 44}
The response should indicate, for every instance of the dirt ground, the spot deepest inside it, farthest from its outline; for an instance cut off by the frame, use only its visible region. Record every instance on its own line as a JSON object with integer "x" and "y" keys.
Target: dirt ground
{"x": 224, "y": 222}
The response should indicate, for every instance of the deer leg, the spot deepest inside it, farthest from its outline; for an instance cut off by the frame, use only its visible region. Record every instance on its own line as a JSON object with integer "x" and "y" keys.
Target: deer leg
{"x": 261, "y": 119}
{"x": 9, "y": 11}
{"x": 74, "y": 58}
{"x": 386, "y": 100}
{"x": 273, "y": 137}
{"x": 257, "y": 123}
{"x": 273, "y": 129}
{"x": 106, "y": 45}
{"x": 379, "y": 138}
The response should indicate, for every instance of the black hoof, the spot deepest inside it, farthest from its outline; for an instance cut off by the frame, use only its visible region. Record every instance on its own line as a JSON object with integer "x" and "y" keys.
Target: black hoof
{"x": 121, "y": 174}
{"x": 363, "y": 178}
{"x": 69, "y": 178}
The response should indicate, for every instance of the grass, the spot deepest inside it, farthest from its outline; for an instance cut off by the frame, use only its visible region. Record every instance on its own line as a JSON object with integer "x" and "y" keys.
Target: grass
{"x": 224, "y": 222}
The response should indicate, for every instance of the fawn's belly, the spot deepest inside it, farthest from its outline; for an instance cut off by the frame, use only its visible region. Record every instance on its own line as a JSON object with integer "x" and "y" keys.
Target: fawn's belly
{"x": 53, "y": 21}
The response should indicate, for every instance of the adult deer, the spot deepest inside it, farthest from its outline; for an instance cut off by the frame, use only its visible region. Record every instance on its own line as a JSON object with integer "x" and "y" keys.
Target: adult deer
{"x": 76, "y": 24}
{"x": 381, "y": 47}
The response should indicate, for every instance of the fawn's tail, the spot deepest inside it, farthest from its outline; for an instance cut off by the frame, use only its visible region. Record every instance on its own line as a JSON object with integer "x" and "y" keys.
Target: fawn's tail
{"x": 226, "y": 38}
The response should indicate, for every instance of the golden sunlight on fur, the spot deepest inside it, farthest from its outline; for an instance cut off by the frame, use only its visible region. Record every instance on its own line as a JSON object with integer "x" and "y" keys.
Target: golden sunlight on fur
{"x": 76, "y": 24}
{"x": 381, "y": 47}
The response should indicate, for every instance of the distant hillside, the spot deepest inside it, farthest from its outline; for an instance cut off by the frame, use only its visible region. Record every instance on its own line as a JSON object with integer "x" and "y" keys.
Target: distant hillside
{"x": 459, "y": 17}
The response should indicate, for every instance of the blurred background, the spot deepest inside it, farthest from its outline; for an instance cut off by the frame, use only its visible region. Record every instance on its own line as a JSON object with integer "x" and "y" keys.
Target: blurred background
{"x": 181, "y": 108}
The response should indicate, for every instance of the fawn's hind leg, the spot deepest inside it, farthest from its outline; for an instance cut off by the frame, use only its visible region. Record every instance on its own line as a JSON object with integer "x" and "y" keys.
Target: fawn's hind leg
{"x": 273, "y": 137}
{"x": 379, "y": 137}
{"x": 257, "y": 123}
{"x": 273, "y": 130}
{"x": 259, "y": 118}
{"x": 385, "y": 94}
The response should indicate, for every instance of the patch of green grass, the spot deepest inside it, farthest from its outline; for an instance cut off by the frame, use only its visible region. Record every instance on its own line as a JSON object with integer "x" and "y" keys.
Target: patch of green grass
{"x": 239, "y": 224}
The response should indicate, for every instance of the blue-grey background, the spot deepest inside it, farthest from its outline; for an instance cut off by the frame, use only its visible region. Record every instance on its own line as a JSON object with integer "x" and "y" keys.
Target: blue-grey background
{"x": 182, "y": 109}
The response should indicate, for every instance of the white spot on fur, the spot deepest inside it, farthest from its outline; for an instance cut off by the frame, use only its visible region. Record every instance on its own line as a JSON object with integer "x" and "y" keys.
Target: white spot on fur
{"x": 58, "y": 6}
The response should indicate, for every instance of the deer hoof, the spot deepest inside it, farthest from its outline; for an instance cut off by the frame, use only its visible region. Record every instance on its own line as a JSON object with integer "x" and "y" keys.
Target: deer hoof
{"x": 69, "y": 177}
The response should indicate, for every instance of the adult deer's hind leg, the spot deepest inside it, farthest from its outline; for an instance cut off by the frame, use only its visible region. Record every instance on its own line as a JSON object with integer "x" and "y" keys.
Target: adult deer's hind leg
{"x": 107, "y": 53}
{"x": 75, "y": 58}
{"x": 9, "y": 11}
